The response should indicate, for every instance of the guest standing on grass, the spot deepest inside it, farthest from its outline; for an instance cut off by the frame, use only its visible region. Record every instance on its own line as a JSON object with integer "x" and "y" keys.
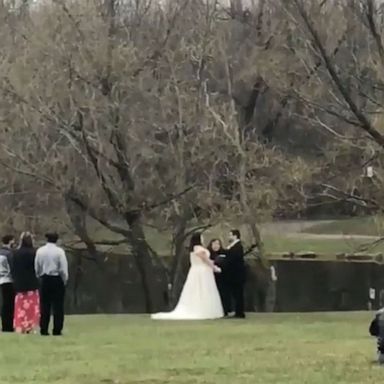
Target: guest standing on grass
{"x": 52, "y": 268}
{"x": 6, "y": 283}
{"x": 27, "y": 302}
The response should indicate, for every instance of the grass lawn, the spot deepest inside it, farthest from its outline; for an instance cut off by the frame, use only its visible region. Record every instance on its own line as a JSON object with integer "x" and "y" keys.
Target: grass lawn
{"x": 274, "y": 243}
{"x": 320, "y": 246}
{"x": 279, "y": 348}
{"x": 367, "y": 226}
{"x": 281, "y": 243}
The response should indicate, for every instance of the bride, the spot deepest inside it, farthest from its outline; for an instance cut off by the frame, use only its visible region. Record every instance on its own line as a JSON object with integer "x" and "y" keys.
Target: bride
{"x": 200, "y": 299}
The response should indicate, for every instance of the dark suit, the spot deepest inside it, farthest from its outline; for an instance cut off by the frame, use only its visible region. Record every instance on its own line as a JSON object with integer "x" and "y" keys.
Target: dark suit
{"x": 219, "y": 259}
{"x": 234, "y": 275}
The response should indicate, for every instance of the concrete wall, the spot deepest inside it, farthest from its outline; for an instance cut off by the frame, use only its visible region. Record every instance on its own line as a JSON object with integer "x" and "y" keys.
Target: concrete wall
{"x": 326, "y": 285}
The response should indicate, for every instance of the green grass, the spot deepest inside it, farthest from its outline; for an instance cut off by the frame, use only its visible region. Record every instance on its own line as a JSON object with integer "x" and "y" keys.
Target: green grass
{"x": 321, "y": 246}
{"x": 367, "y": 226}
{"x": 265, "y": 349}
{"x": 274, "y": 244}
{"x": 282, "y": 243}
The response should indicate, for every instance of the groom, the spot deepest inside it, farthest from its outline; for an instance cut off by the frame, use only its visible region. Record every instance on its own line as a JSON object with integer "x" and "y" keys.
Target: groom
{"x": 234, "y": 274}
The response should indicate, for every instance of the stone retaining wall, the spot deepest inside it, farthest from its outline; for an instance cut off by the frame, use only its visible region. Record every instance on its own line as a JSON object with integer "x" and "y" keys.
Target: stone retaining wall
{"x": 304, "y": 283}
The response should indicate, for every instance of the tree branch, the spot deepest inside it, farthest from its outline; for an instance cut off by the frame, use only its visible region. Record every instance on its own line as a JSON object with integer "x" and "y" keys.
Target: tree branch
{"x": 112, "y": 197}
{"x": 350, "y": 196}
{"x": 200, "y": 228}
{"x": 365, "y": 124}
{"x": 77, "y": 199}
{"x": 370, "y": 14}
{"x": 104, "y": 242}
{"x": 167, "y": 200}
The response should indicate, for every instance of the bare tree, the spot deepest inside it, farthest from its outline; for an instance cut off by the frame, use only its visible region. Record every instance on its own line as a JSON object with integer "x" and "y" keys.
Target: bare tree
{"x": 347, "y": 106}
{"x": 132, "y": 116}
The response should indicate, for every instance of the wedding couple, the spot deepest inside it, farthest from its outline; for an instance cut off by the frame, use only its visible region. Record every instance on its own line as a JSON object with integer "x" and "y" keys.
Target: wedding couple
{"x": 200, "y": 298}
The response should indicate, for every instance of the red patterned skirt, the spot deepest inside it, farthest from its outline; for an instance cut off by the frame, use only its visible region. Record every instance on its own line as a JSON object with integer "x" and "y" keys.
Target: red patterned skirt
{"x": 27, "y": 311}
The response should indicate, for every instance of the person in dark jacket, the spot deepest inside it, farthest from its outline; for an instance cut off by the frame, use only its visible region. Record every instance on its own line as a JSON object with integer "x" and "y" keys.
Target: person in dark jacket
{"x": 217, "y": 255}
{"x": 234, "y": 272}
{"x": 26, "y": 284}
{"x": 6, "y": 283}
{"x": 376, "y": 329}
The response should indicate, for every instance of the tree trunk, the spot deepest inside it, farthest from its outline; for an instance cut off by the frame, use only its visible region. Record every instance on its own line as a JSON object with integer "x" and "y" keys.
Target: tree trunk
{"x": 262, "y": 273}
{"x": 177, "y": 265}
{"x": 142, "y": 256}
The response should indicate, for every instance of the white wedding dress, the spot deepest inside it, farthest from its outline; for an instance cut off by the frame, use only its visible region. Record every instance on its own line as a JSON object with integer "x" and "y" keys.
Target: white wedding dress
{"x": 200, "y": 299}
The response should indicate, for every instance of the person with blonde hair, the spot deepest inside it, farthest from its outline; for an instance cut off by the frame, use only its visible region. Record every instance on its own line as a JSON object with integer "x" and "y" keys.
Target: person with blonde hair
{"x": 27, "y": 302}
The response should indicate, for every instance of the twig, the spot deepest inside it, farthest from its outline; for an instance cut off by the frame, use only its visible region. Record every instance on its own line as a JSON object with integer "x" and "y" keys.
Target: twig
{"x": 373, "y": 244}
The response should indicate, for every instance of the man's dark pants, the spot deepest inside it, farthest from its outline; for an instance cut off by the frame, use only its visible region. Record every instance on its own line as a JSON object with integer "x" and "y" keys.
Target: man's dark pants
{"x": 8, "y": 307}
{"x": 52, "y": 294}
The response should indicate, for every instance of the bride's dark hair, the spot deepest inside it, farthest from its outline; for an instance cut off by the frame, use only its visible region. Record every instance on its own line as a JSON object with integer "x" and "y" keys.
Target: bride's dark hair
{"x": 195, "y": 240}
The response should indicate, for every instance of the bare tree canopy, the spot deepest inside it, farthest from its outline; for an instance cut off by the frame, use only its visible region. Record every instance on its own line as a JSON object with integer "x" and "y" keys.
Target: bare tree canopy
{"x": 178, "y": 115}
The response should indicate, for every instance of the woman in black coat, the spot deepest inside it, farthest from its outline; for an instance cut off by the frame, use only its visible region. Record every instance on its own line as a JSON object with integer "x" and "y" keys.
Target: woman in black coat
{"x": 217, "y": 254}
{"x": 26, "y": 284}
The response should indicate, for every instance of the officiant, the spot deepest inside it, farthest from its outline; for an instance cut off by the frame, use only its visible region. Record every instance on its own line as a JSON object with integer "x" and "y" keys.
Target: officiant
{"x": 217, "y": 254}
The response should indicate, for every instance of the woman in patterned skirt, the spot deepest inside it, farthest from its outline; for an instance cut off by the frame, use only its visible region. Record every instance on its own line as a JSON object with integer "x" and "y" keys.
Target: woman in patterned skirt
{"x": 27, "y": 302}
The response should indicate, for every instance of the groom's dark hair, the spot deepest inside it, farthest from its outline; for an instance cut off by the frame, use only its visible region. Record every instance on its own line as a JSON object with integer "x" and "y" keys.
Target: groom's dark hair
{"x": 195, "y": 240}
{"x": 52, "y": 237}
{"x": 236, "y": 232}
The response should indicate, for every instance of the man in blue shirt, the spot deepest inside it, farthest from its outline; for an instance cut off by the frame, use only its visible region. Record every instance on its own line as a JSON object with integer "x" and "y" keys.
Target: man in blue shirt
{"x": 51, "y": 268}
